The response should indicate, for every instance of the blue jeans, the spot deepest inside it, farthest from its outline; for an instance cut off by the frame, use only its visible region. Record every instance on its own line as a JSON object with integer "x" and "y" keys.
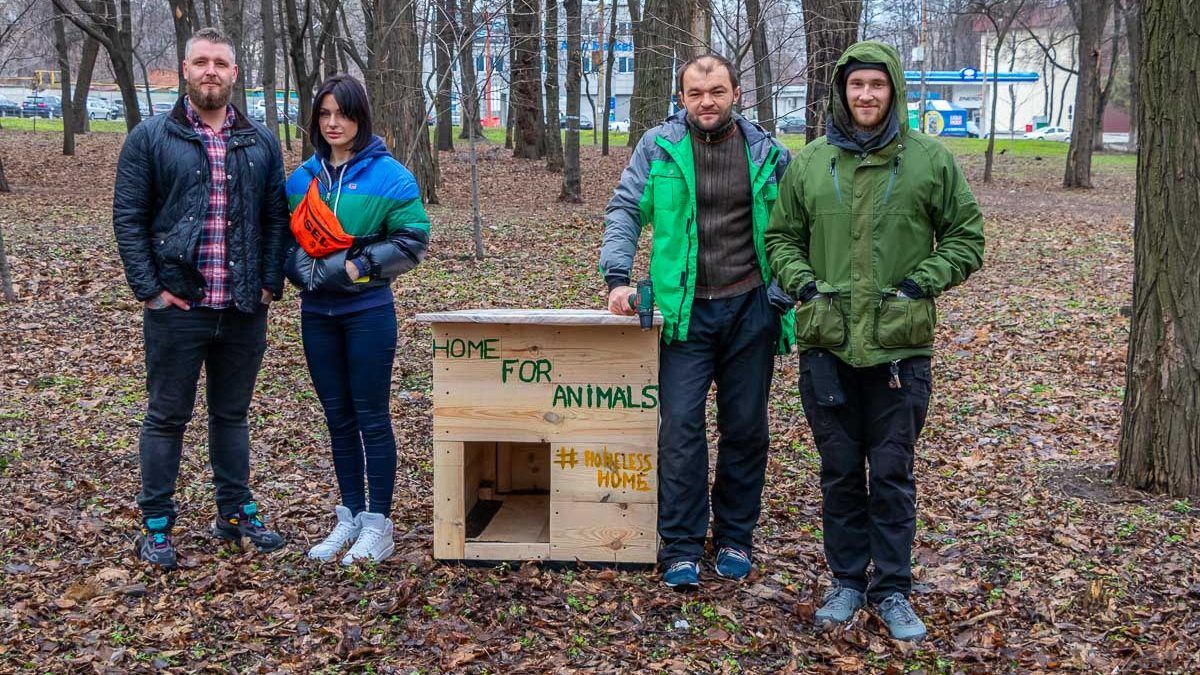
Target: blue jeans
{"x": 350, "y": 359}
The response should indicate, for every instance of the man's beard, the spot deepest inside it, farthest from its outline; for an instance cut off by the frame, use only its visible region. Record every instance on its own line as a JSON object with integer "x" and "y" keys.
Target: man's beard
{"x": 209, "y": 101}
{"x": 721, "y": 122}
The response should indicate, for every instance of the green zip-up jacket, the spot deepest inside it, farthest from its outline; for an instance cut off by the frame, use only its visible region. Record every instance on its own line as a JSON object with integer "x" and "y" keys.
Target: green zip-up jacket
{"x": 858, "y": 224}
{"x": 658, "y": 188}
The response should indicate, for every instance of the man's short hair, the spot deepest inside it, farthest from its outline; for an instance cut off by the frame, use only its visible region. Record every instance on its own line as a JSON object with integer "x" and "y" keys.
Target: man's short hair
{"x": 706, "y": 63}
{"x": 212, "y": 35}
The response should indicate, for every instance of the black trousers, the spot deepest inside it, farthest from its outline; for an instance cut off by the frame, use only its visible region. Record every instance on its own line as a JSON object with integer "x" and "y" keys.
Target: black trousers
{"x": 229, "y": 345}
{"x": 731, "y": 341}
{"x": 870, "y": 517}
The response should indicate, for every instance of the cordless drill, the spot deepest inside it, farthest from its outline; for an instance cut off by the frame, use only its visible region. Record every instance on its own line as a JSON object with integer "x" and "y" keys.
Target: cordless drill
{"x": 643, "y": 302}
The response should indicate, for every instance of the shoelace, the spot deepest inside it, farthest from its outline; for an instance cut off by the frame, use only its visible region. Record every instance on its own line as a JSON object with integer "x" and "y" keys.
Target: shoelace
{"x": 905, "y": 611}
{"x": 366, "y": 540}
{"x": 839, "y": 598}
{"x": 736, "y": 554}
{"x": 682, "y": 564}
{"x": 340, "y": 534}
{"x": 160, "y": 539}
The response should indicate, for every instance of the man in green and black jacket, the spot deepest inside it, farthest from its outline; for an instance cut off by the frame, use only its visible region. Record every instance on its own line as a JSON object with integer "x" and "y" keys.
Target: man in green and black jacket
{"x": 706, "y": 180}
{"x": 873, "y": 222}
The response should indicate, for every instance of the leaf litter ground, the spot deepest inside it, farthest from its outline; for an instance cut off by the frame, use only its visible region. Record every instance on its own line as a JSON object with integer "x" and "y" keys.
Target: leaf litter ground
{"x": 1027, "y": 557}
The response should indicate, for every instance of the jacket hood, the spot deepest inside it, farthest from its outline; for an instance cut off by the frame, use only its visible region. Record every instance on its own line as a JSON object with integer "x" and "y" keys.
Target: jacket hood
{"x": 375, "y": 148}
{"x": 869, "y": 51}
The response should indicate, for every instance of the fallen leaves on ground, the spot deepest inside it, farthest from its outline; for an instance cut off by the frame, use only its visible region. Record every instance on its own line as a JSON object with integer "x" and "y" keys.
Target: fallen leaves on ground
{"x": 1027, "y": 558}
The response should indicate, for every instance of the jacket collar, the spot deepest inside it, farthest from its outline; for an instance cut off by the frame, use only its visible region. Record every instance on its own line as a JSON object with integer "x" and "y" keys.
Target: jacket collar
{"x": 675, "y": 128}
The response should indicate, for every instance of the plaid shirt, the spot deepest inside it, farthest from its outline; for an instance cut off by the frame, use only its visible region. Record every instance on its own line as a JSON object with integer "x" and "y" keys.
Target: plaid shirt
{"x": 212, "y": 258}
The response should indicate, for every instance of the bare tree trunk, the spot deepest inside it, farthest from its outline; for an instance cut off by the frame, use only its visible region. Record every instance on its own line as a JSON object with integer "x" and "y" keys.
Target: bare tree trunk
{"x": 231, "y": 25}
{"x": 554, "y": 149}
{"x": 444, "y": 58}
{"x": 69, "y": 108}
{"x": 529, "y": 133}
{"x": 1090, "y": 19}
{"x": 1131, "y": 9}
{"x": 609, "y": 99}
{"x": 6, "y": 283}
{"x": 287, "y": 78}
{"x": 83, "y": 83}
{"x": 1160, "y": 436}
{"x": 469, "y": 97}
{"x": 830, "y": 27}
{"x": 1106, "y": 90}
{"x": 114, "y": 30}
{"x": 267, "y": 16}
{"x": 182, "y": 14}
{"x": 401, "y": 105}
{"x": 654, "y": 66}
{"x": 572, "y": 185}
{"x": 763, "y": 96}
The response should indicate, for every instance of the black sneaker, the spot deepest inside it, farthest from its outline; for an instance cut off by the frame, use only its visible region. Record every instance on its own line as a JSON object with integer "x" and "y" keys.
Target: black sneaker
{"x": 154, "y": 543}
{"x": 247, "y": 523}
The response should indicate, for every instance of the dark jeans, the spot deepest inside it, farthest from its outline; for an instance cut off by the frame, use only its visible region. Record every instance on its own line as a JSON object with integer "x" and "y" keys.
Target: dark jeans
{"x": 229, "y": 344}
{"x": 350, "y": 359}
{"x": 731, "y": 341}
{"x": 870, "y": 518}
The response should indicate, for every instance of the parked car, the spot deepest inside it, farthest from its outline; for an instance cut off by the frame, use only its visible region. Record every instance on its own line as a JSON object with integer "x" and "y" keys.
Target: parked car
{"x": 620, "y": 126}
{"x": 1049, "y": 134}
{"x": 972, "y": 129}
{"x": 116, "y": 109}
{"x": 41, "y": 106}
{"x": 9, "y": 107}
{"x": 586, "y": 124}
{"x": 98, "y": 108}
{"x": 790, "y": 124}
{"x": 163, "y": 108}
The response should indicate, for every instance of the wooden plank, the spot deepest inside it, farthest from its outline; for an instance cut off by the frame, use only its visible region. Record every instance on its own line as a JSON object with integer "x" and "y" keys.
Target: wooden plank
{"x": 447, "y": 454}
{"x": 496, "y": 550}
{"x": 459, "y": 420}
{"x": 530, "y": 466}
{"x": 604, "y": 472}
{"x": 476, "y": 457}
{"x": 603, "y": 532}
{"x": 503, "y": 467}
{"x": 541, "y": 317}
{"x": 474, "y": 353}
{"x": 521, "y": 519}
{"x": 449, "y": 514}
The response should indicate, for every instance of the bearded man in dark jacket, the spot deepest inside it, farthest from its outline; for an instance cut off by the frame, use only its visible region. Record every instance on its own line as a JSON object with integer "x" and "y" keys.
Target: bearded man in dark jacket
{"x": 201, "y": 222}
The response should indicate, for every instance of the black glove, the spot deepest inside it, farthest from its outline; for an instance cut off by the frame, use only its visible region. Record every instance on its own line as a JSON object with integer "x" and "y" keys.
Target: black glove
{"x": 809, "y": 291}
{"x": 910, "y": 289}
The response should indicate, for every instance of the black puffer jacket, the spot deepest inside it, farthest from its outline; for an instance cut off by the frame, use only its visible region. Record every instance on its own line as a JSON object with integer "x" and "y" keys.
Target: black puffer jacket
{"x": 160, "y": 201}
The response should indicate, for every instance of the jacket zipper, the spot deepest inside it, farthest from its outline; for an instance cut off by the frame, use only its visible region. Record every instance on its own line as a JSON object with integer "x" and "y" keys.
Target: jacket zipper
{"x": 837, "y": 188}
{"x": 891, "y": 181}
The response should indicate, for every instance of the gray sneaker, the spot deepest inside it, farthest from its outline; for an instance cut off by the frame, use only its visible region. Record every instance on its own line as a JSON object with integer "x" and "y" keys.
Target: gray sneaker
{"x": 900, "y": 618}
{"x": 840, "y": 605}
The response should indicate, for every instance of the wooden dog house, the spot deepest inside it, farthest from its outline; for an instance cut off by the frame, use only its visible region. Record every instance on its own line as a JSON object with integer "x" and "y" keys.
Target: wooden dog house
{"x": 545, "y": 436}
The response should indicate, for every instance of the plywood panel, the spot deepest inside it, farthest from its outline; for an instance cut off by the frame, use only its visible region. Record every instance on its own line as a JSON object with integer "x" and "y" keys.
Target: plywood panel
{"x": 540, "y": 317}
{"x": 529, "y": 466}
{"x": 494, "y": 550}
{"x": 521, "y": 519}
{"x": 604, "y": 472}
{"x": 449, "y": 501}
{"x": 603, "y": 532}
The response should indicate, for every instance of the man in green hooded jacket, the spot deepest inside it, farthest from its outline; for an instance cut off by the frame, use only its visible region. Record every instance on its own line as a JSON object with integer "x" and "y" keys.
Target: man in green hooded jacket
{"x": 872, "y": 223}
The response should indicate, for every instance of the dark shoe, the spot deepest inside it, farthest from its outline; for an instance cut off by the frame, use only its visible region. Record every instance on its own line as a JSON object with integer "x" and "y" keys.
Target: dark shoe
{"x": 247, "y": 523}
{"x": 732, "y": 564}
{"x": 154, "y": 543}
{"x": 840, "y": 605}
{"x": 900, "y": 618}
{"x": 682, "y": 575}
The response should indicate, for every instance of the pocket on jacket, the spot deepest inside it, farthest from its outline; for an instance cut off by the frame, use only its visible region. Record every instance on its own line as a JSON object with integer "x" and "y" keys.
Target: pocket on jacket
{"x": 670, "y": 188}
{"x": 820, "y": 323}
{"x": 905, "y": 322}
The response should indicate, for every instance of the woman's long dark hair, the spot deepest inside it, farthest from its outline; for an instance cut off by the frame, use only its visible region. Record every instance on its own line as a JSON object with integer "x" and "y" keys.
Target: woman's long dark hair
{"x": 351, "y": 97}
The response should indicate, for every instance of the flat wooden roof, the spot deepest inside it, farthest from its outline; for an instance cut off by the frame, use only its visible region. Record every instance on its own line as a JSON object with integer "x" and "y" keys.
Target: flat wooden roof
{"x": 552, "y": 317}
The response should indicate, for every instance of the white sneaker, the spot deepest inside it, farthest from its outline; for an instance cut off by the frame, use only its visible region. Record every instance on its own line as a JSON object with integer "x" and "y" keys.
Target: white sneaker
{"x": 374, "y": 540}
{"x": 347, "y": 528}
